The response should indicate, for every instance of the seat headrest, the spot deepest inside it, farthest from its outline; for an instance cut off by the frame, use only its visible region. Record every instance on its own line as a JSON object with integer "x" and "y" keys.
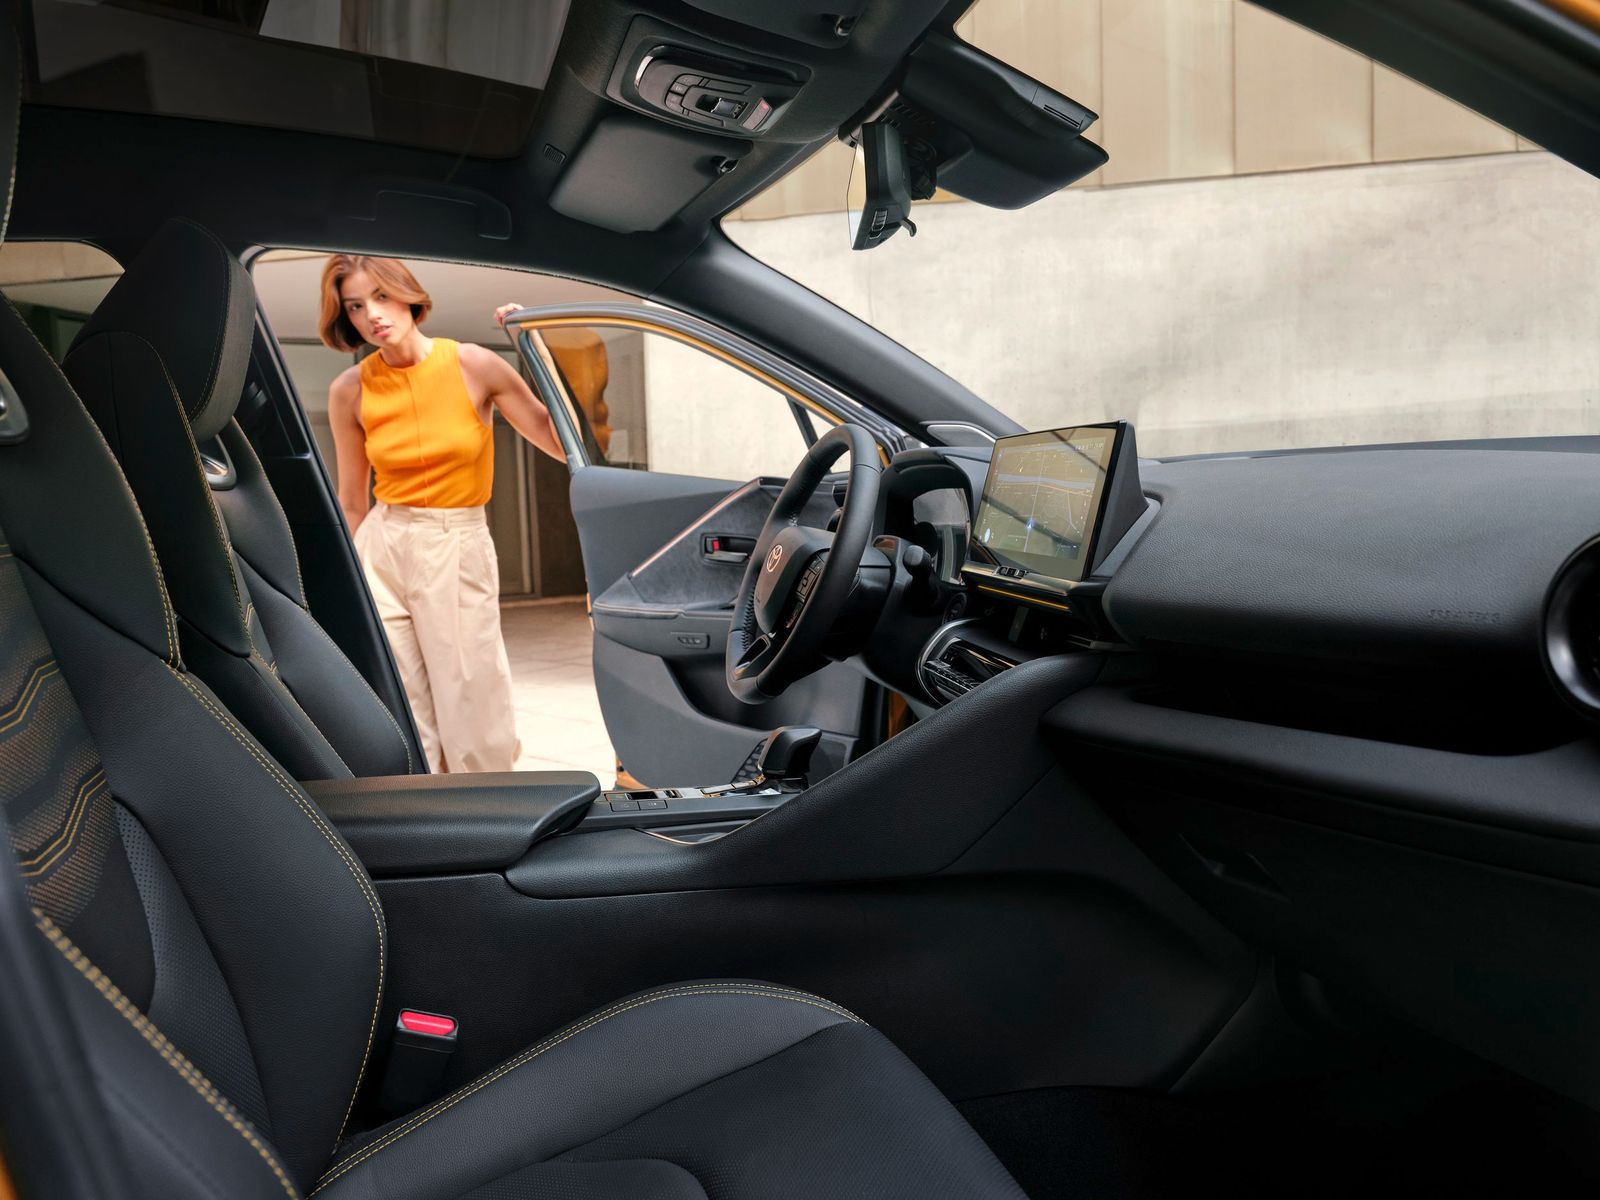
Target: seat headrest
{"x": 193, "y": 301}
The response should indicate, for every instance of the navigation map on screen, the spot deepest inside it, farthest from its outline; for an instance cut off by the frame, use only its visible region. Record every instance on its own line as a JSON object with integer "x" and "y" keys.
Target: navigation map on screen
{"x": 1042, "y": 498}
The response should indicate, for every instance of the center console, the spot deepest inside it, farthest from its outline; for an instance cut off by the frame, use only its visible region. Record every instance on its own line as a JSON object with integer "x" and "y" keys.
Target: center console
{"x": 1057, "y": 510}
{"x": 447, "y": 824}
{"x": 691, "y": 815}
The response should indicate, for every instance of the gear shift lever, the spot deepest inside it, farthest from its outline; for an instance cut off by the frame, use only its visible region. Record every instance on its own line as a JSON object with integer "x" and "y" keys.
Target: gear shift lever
{"x": 786, "y": 755}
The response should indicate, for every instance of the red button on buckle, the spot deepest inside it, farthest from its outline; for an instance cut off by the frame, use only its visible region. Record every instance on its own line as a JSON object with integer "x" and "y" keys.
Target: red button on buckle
{"x": 429, "y": 1023}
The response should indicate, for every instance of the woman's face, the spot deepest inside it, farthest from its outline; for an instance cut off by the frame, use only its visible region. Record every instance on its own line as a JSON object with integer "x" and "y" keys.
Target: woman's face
{"x": 377, "y": 316}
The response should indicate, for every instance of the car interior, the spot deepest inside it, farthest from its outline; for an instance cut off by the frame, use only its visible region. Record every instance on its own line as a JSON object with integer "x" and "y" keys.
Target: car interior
{"x": 1024, "y": 817}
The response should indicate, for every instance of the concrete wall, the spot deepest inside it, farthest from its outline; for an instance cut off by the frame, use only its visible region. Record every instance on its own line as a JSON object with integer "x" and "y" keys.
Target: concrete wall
{"x": 1444, "y": 299}
{"x": 712, "y": 420}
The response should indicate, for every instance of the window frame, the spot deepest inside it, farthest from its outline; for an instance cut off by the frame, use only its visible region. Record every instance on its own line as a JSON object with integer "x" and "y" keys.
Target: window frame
{"x": 783, "y": 377}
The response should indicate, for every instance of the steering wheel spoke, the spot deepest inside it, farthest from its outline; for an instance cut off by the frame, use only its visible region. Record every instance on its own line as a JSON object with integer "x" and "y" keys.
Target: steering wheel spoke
{"x": 757, "y": 657}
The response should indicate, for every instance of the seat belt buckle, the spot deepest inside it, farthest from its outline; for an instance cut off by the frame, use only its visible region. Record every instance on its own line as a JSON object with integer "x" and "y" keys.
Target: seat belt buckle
{"x": 419, "y": 1055}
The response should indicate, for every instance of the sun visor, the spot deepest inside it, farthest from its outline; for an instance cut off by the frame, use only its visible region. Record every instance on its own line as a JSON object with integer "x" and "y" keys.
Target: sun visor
{"x": 634, "y": 175}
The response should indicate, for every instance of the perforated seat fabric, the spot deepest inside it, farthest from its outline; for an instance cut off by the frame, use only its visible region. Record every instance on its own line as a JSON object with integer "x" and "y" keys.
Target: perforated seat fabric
{"x": 160, "y": 365}
{"x": 221, "y": 952}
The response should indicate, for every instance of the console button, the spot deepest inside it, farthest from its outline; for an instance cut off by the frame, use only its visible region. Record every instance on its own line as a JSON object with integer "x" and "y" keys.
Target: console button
{"x": 651, "y": 805}
{"x": 629, "y": 805}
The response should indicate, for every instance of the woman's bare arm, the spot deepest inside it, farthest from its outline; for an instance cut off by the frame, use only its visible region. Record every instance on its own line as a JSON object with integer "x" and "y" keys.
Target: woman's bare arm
{"x": 350, "y": 446}
{"x": 506, "y": 390}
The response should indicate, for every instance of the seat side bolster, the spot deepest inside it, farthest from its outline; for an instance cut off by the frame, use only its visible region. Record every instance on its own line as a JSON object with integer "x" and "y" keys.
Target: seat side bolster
{"x": 163, "y": 1098}
{"x": 333, "y": 694}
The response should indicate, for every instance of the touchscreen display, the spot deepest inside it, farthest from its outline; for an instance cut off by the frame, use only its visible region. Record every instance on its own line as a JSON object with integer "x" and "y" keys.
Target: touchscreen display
{"x": 1042, "y": 500}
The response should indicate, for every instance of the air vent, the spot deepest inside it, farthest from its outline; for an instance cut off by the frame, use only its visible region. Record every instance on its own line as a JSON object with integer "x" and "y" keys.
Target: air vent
{"x": 952, "y": 666}
{"x": 1572, "y": 629}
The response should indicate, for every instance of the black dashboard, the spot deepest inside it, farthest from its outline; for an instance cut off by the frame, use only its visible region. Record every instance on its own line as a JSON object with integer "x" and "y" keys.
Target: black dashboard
{"x": 1414, "y": 561}
{"x": 1346, "y": 699}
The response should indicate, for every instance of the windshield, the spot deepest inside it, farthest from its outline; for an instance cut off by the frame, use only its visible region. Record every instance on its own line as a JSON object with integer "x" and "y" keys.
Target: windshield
{"x": 1290, "y": 246}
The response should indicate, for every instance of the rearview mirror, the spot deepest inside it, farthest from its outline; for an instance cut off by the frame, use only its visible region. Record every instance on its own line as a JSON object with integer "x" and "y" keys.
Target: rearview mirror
{"x": 878, "y": 196}
{"x": 972, "y": 125}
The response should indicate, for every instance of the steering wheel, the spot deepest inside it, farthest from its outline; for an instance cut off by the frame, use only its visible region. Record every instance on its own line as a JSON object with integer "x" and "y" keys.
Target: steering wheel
{"x": 799, "y": 577}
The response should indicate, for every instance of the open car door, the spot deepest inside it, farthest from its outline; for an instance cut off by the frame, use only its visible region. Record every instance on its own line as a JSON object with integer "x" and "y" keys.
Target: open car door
{"x": 679, "y": 437}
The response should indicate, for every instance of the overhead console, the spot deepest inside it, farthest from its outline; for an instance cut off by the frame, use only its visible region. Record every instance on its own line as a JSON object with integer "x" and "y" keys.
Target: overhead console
{"x": 691, "y": 110}
{"x": 747, "y": 88}
{"x": 675, "y": 75}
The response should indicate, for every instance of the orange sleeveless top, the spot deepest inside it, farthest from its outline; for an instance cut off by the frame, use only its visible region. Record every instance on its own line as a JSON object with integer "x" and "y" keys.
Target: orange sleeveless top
{"x": 426, "y": 443}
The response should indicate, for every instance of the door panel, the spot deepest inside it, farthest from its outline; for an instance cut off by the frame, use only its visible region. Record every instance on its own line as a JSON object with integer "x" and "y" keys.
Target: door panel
{"x": 661, "y": 627}
{"x": 624, "y": 516}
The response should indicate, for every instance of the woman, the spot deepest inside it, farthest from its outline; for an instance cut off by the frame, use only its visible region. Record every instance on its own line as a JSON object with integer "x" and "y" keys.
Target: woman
{"x": 414, "y": 419}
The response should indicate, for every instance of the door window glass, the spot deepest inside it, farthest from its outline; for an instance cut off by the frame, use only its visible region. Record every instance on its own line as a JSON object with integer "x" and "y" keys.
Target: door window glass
{"x": 653, "y": 403}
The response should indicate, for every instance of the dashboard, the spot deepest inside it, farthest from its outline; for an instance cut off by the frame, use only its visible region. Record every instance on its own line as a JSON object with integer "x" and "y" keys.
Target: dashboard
{"x": 1349, "y": 699}
{"x": 1426, "y": 567}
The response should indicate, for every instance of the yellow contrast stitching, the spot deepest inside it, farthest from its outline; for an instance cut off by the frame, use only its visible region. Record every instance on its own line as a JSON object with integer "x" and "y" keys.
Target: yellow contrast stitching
{"x": 173, "y": 1057}
{"x": 63, "y": 840}
{"x": 272, "y": 669}
{"x": 30, "y": 693}
{"x": 551, "y": 1043}
{"x": 223, "y": 541}
{"x": 317, "y": 821}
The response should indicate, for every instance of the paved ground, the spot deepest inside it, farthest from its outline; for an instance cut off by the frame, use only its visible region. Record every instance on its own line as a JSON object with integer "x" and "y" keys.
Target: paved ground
{"x": 558, "y": 716}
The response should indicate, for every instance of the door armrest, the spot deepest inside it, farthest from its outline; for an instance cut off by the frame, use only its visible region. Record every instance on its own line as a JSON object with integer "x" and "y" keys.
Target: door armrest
{"x": 452, "y": 824}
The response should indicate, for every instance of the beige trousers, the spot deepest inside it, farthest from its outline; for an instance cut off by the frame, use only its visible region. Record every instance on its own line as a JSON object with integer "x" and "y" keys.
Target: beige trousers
{"x": 436, "y": 581}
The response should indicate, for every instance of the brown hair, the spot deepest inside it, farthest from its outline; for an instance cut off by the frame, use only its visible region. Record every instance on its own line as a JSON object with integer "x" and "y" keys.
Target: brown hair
{"x": 336, "y": 330}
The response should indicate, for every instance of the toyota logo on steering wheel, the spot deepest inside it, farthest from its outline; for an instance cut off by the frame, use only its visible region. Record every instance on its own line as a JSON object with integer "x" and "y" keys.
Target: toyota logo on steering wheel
{"x": 774, "y": 558}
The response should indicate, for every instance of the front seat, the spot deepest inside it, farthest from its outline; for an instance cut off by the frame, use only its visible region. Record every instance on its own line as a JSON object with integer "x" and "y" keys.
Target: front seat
{"x": 161, "y": 365}
{"x": 220, "y": 952}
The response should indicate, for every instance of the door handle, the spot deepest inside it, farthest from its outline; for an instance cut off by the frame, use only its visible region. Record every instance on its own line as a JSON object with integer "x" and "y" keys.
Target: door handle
{"x": 726, "y": 548}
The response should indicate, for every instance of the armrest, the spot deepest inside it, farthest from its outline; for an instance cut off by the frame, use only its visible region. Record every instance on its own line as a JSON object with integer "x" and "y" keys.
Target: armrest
{"x": 448, "y": 824}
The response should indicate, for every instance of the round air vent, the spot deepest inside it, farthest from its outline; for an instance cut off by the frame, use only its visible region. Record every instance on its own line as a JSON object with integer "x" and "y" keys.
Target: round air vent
{"x": 1572, "y": 629}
